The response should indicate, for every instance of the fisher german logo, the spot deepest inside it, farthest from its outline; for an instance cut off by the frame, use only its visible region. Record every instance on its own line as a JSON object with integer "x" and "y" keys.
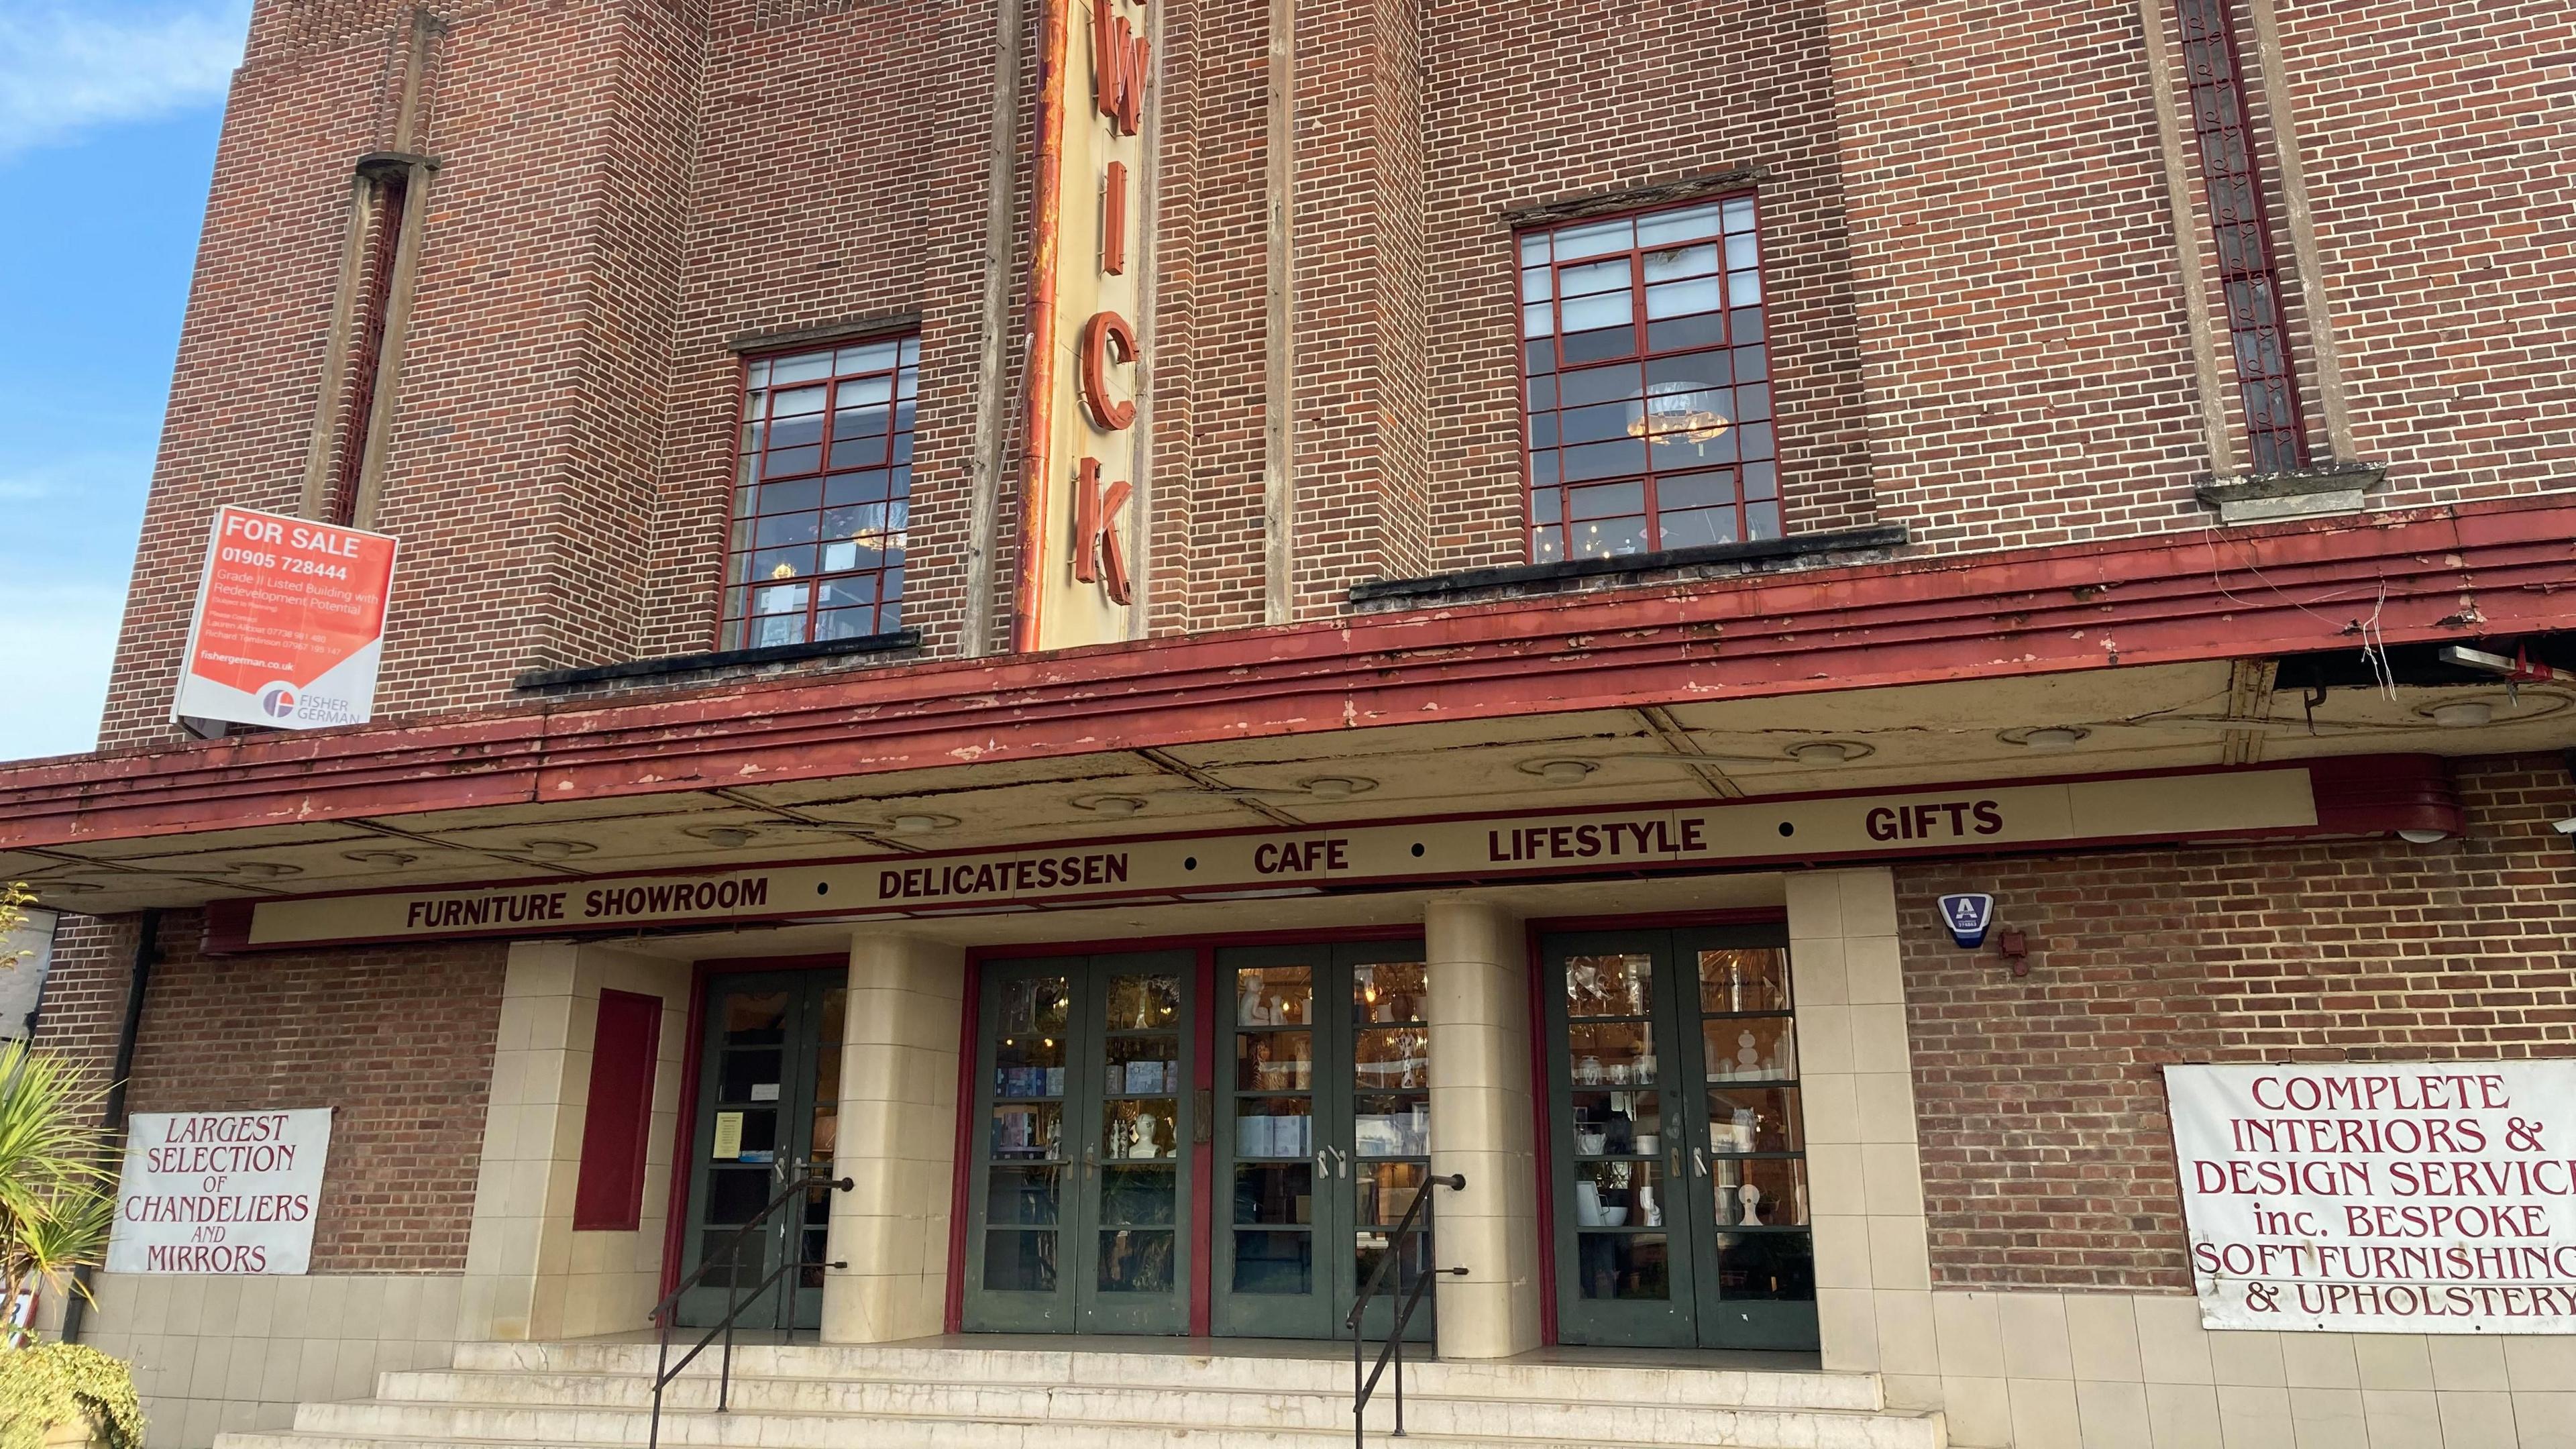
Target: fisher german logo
{"x": 277, "y": 701}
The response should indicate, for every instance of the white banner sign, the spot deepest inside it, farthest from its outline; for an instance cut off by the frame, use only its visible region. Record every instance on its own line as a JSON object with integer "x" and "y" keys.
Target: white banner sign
{"x": 220, "y": 1192}
{"x": 2380, "y": 1198}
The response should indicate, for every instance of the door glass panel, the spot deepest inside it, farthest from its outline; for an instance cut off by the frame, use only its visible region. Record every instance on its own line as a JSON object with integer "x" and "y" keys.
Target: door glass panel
{"x": 1028, "y": 1129}
{"x": 1139, "y": 1129}
{"x": 1274, "y": 1264}
{"x": 1755, "y": 1119}
{"x": 1759, "y": 1192}
{"x": 1609, "y": 985}
{"x": 1741, "y": 981}
{"x": 1624, "y": 1265}
{"x": 1390, "y": 1115}
{"x": 1612, "y": 1053}
{"x": 1775, "y": 1266}
{"x": 1275, "y": 996}
{"x": 1750, "y": 1049}
{"x": 1023, "y": 1203}
{"x": 1133, "y": 1196}
{"x": 1024, "y": 1196}
{"x": 1757, "y": 1201}
{"x": 1619, "y": 1194}
{"x": 1019, "y": 1262}
{"x": 1274, "y": 1061}
{"x": 1135, "y": 1262}
{"x": 1618, "y": 1124}
{"x": 1273, "y": 1232}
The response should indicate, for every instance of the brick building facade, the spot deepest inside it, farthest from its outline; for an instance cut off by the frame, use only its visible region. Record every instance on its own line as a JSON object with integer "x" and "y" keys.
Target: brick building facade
{"x": 1543, "y": 417}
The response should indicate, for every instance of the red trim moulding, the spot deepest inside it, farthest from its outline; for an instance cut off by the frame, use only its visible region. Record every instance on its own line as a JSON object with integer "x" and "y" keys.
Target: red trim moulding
{"x": 2484, "y": 570}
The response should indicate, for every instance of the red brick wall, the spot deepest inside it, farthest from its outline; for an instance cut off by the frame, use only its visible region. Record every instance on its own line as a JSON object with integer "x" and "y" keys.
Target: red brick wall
{"x": 1977, "y": 324}
{"x": 2047, "y": 1159}
{"x": 398, "y": 1040}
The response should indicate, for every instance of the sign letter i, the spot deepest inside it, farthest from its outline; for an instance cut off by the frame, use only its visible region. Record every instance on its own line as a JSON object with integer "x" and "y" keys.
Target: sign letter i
{"x": 1113, "y": 220}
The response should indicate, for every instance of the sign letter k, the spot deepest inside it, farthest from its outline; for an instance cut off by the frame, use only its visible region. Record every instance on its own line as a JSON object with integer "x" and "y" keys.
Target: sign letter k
{"x": 1099, "y": 556}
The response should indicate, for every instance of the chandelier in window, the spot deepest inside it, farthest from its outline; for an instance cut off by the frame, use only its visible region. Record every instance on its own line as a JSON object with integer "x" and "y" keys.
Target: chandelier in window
{"x": 1679, "y": 413}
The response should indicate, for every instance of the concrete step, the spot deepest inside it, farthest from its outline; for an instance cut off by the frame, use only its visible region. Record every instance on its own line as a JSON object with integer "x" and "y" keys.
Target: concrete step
{"x": 1027, "y": 1368}
{"x": 567, "y": 1396}
{"x": 1116, "y": 1419}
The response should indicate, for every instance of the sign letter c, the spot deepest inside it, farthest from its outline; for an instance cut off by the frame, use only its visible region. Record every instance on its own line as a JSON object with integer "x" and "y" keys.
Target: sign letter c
{"x": 1106, "y": 330}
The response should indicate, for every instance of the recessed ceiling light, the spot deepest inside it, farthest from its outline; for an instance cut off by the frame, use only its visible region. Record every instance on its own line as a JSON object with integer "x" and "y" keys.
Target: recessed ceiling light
{"x": 2457, "y": 714}
{"x": 2053, "y": 738}
{"x": 557, "y": 849}
{"x": 388, "y": 859}
{"x": 921, "y": 824}
{"x": 265, "y": 869}
{"x": 1559, "y": 772}
{"x": 1337, "y": 787}
{"x": 1116, "y": 807}
{"x": 2423, "y": 837}
{"x": 1827, "y": 752}
{"x": 728, "y": 836}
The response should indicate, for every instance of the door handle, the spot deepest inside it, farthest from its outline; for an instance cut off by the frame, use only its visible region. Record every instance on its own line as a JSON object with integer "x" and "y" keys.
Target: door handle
{"x": 1699, "y": 1162}
{"x": 1346, "y": 1161}
{"x": 1324, "y": 1163}
{"x": 1091, "y": 1161}
{"x": 1674, "y": 1153}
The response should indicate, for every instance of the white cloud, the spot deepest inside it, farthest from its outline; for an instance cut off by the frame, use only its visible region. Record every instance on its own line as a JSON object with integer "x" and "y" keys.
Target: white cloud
{"x": 56, "y": 643}
{"x": 65, "y": 69}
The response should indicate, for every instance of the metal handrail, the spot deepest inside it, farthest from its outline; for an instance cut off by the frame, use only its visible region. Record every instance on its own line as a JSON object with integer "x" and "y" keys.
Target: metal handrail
{"x": 666, "y": 1313}
{"x": 1363, "y": 1380}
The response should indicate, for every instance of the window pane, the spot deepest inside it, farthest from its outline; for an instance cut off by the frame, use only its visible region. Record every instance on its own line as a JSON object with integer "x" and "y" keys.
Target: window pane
{"x": 1610, "y": 538}
{"x": 1744, "y": 289}
{"x": 1668, "y": 227}
{"x": 1681, "y": 299}
{"x": 1598, "y": 424}
{"x": 1664, "y": 266}
{"x": 1601, "y": 346}
{"x": 805, "y": 367}
{"x": 796, "y": 401}
{"x": 1534, "y": 248}
{"x": 1608, "y": 501}
{"x": 869, "y": 357}
{"x": 1601, "y": 384}
{"x": 1585, "y": 314}
{"x": 1695, "y": 490}
{"x": 787, "y": 528}
{"x": 1595, "y": 238}
{"x": 1605, "y": 460}
{"x": 1695, "y": 527}
{"x": 1538, "y": 320}
{"x": 1594, "y": 277}
{"x": 1706, "y": 329}
{"x": 1534, "y": 284}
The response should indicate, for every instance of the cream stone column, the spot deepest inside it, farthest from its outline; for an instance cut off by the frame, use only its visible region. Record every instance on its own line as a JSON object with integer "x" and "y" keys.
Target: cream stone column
{"x": 898, "y": 1140}
{"x": 528, "y": 1275}
{"x": 1482, "y": 1118}
{"x": 1864, "y": 1171}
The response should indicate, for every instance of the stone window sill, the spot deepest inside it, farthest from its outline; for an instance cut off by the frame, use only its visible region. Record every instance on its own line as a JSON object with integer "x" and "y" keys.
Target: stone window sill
{"x": 1708, "y": 560}
{"x": 684, "y": 664}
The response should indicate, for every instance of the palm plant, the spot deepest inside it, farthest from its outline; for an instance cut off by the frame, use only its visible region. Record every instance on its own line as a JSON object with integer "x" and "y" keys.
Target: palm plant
{"x": 55, "y": 1199}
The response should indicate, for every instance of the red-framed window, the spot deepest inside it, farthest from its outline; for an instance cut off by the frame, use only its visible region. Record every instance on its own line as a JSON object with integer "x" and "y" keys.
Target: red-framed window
{"x": 2241, "y": 229}
{"x": 823, "y": 495}
{"x": 1648, "y": 402}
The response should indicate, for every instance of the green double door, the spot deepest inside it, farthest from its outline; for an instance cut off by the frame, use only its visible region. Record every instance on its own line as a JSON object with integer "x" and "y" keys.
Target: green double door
{"x": 1325, "y": 1135}
{"x": 769, "y": 1104}
{"x": 1680, "y": 1185}
{"x": 1080, "y": 1212}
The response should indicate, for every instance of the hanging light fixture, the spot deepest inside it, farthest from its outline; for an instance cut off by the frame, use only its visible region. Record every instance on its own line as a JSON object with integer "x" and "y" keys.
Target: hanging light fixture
{"x": 1678, "y": 412}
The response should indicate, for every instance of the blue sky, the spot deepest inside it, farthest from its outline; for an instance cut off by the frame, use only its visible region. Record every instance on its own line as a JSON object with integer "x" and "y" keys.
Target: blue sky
{"x": 108, "y": 115}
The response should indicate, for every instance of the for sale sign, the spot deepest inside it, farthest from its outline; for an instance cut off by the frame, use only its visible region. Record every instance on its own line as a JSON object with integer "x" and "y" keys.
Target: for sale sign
{"x": 219, "y": 1192}
{"x": 290, "y": 623}
{"x": 2380, "y": 1199}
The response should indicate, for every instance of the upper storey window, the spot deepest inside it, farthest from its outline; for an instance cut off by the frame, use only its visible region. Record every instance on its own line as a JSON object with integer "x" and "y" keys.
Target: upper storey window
{"x": 822, "y": 496}
{"x": 1649, "y": 398}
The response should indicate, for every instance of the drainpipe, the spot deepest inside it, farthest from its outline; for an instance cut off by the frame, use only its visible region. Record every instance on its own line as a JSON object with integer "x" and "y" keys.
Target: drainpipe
{"x": 147, "y": 950}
